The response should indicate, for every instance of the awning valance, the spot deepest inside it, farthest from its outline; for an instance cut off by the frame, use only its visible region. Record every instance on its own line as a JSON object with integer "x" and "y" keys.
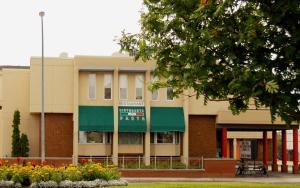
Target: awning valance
{"x": 132, "y": 119}
{"x": 165, "y": 119}
{"x": 96, "y": 118}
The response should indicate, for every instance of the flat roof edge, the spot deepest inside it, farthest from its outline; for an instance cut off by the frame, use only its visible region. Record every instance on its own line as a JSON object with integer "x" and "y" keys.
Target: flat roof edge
{"x": 13, "y": 67}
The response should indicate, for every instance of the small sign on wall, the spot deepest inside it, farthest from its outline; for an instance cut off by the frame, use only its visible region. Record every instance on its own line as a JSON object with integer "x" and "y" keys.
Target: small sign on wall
{"x": 245, "y": 149}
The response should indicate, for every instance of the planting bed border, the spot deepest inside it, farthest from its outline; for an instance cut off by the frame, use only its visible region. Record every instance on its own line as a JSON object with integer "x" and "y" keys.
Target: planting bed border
{"x": 68, "y": 184}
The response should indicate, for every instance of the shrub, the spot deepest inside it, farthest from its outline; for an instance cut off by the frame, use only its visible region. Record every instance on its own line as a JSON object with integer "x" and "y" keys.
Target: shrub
{"x": 16, "y": 135}
{"x": 34, "y": 173}
{"x": 21, "y": 174}
{"x": 24, "y": 145}
{"x": 20, "y": 144}
{"x": 73, "y": 173}
{"x": 111, "y": 174}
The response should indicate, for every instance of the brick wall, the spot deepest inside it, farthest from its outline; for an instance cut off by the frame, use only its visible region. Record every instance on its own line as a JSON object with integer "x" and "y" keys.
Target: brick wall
{"x": 58, "y": 135}
{"x": 202, "y": 136}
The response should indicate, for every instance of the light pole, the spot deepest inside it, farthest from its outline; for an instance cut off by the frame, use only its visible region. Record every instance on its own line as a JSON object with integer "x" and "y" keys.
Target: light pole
{"x": 42, "y": 14}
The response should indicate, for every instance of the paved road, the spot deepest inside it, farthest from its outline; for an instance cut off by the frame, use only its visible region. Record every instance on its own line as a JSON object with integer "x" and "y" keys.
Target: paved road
{"x": 273, "y": 178}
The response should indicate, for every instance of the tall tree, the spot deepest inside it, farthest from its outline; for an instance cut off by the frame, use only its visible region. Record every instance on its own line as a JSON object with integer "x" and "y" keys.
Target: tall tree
{"x": 16, "y": 135}
{"x": 233, "y": 50}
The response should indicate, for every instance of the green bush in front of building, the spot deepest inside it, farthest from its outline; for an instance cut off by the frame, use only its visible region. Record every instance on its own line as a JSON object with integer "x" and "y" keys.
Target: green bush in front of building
{"x": 31, "y": 173}
{"x": 20, "y": 144}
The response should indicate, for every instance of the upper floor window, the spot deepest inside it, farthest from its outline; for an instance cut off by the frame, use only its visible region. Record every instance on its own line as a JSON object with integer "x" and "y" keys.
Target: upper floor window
{"x": 139, "y": 87}
{"x": 123, "y": 87}
{"x": 154, "y": 93}
{"x": 92, "y": 86}
{"x": 169, "y": 93}
{"x": 107, "y": 86}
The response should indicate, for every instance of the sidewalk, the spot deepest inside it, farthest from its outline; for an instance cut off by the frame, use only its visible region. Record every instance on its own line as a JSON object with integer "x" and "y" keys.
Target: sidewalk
{"x": 276, "y": 178}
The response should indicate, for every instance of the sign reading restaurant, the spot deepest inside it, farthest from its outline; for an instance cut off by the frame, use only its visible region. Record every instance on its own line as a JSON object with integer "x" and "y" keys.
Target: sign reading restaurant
{"x": 132, "y": 114}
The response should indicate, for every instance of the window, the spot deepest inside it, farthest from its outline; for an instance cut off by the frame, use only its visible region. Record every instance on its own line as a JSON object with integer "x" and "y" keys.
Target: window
{"x": 154, "y": 93}
{"x": 94, "y": 137}
{"x": 169, "y": 93}
{"x": 92, "y": 86}
{"x": 123, "y": 87}
{"x": 165, "y": 138}
{"x": 139, "y": 87}
{"x": 107, "y": 86}
{"x": 130, "y": 138}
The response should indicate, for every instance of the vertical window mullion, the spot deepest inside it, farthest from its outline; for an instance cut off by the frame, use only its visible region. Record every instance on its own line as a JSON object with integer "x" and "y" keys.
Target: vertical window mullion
{"x": 174, "y": 138}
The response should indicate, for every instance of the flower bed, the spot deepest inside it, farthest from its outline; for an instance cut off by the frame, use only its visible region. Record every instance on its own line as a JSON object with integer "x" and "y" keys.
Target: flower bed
{"x": 88, "y": 174}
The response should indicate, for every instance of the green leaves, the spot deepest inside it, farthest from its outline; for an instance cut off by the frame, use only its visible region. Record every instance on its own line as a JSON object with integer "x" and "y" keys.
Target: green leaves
{"x": 225, "y": 48}
{"x": 272, "y": 87}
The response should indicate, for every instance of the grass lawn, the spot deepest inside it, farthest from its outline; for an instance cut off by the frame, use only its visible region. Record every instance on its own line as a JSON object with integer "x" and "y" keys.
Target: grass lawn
{"x": 210, "y": 185}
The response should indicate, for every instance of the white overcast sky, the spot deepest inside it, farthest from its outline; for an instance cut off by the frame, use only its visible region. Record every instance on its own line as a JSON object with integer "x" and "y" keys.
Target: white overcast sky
{"x": 78, "y": 27}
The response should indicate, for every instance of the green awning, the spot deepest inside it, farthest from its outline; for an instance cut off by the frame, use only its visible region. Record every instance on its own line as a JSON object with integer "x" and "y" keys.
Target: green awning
{"x": 165, "y": 119}
{"x": 96, "y": 118}
{"x": 132, "y": 119}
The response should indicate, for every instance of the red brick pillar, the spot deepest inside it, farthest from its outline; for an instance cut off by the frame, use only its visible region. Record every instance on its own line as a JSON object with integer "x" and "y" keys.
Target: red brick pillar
{"x": 275, "y": 151}
{"x": 265, "y": 148}
{"x": 284, "y": 152}
{"x": 295, "y": 151}
{"x": 224, "y": 142}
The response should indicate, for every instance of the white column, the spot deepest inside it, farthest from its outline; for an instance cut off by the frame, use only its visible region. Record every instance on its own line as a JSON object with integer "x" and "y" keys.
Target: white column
{"x": 186, "y": 132}
{"x": 115, "y": 148}
{"x": 234, "y": 148}
{"x": 75, "y": 114}
{"x": 147, "y": 108}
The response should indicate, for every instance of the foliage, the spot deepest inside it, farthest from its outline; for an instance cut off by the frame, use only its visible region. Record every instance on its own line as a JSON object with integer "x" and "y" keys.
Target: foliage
{"x": 24, "y": 145}
{"x": 235, "y": 50}
{"x": 20, "y": 145}
{"x": 30, "y": 173}
{"x": 73, "y": 173}
{"x": 16, "y": 135}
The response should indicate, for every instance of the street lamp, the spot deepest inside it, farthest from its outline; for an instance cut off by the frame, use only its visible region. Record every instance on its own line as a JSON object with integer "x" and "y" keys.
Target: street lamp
{"x": 42, "y": 14}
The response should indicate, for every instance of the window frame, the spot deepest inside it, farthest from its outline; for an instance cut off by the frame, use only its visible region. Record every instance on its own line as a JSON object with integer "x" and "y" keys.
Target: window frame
{"x": 105, "y": 135}
{"x": 175, "y": 133}
{"x": 141, "y": 137}
{"x": 111, "y": 86}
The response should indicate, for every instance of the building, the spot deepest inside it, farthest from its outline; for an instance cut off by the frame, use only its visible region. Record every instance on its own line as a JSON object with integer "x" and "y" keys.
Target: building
{"x": 100, "y": 106}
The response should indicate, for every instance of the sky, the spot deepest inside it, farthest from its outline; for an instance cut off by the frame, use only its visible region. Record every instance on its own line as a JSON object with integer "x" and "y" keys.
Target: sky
{"x": 77, "y": 27}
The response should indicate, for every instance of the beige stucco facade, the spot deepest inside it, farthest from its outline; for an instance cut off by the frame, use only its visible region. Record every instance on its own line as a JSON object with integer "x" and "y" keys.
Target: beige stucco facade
{"x": 66, "y": 88}
{"x": 15, "y": 94}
